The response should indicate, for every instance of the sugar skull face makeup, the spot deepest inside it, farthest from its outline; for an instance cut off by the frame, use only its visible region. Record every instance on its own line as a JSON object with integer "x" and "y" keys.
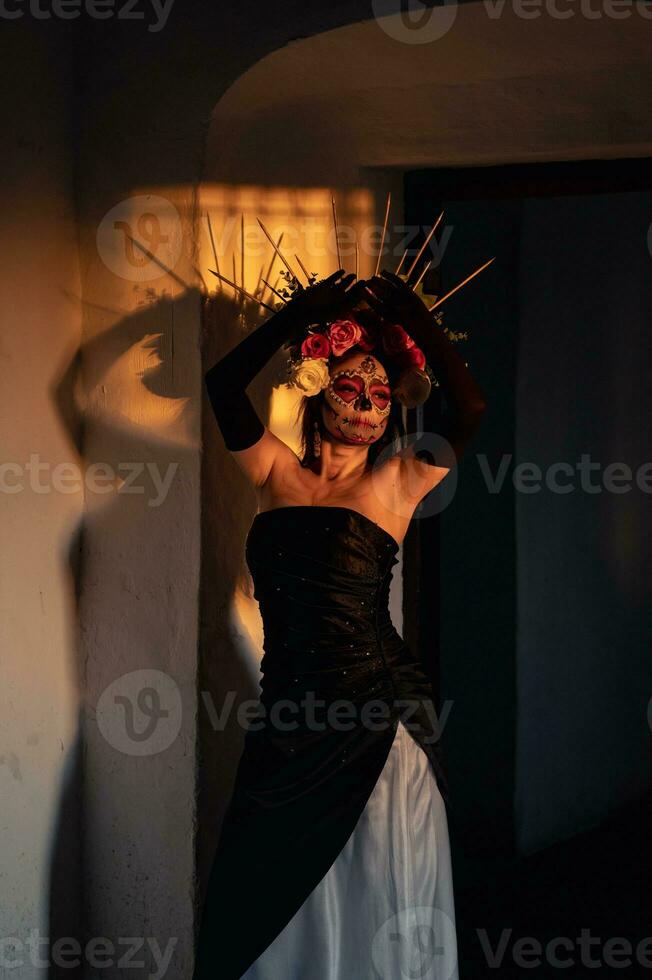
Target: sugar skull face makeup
{"x": 357, "y": 401}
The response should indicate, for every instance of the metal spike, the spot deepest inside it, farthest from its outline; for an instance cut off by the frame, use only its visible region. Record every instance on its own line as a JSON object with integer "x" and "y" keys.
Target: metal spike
{"x": 303, "y": 268}
{"x": 158, "y": 262}
{"x": 382, "y": 240}
{"x": 401, "y": 262}
{"x": 273, "y": 258}
{"x": 425, "y": 244}
{"x": 242, "y": 248}
{"x": 244, "y": 292}
{"x": 459, "y": 285}
{"x": 278, "y": 252}
{"x": 425, "y": 269}
{"x": 210, "y": 232}
{"x": 337, "y": 236}
{"x": 269, "y": 285}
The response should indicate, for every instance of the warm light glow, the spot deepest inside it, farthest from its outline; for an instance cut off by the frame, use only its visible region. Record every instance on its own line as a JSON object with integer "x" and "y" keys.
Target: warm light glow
{"x": 284, "y": 406}
{"x": 247, "y": 623}
{"x": 304, "y": 217}
{"x": 132, "y": 403}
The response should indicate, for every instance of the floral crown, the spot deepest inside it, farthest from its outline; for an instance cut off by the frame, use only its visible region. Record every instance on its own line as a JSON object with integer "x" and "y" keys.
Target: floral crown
{"x": 308, "y": 365}
{"x": 362, "y": 330}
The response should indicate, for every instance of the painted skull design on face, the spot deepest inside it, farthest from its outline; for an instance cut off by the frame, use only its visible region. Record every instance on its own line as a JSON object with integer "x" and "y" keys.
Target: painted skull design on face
{"x": 357, "y": 401}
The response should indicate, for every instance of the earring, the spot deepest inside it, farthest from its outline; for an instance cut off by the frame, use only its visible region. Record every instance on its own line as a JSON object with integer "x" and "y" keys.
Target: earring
{"x": 316, "y": 441}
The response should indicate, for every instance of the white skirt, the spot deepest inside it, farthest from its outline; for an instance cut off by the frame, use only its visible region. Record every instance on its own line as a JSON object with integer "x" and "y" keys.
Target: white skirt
{"x": 385, "y": 908}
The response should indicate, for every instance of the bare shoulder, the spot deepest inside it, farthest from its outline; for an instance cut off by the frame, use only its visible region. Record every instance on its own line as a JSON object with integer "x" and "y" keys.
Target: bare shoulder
{"x": 404, "y": 476}
{"x": 264, "y": 458}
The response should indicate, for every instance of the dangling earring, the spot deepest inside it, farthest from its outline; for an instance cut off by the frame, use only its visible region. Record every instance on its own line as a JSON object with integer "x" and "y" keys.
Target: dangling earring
{"x": 316, "y": 441}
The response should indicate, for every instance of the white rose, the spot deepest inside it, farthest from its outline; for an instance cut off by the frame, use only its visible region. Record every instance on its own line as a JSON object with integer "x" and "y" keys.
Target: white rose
{"x": 310, "y": 375}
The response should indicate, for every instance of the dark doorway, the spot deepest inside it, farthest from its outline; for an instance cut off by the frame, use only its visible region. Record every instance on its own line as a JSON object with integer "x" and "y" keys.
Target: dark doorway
{"x": 533, "y": 603}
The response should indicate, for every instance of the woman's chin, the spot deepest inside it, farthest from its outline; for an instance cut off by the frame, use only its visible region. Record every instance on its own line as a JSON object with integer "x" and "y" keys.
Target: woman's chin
{"x": 356, "y": 438}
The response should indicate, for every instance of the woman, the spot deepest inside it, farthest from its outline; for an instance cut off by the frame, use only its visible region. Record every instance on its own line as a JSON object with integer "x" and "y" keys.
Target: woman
{"x": 333, "y": 861}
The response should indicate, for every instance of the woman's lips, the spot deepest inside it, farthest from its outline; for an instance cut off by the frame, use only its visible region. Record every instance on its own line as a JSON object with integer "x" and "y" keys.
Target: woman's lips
{"x": 353, "y": 436}
{"x": 356, "y": 437}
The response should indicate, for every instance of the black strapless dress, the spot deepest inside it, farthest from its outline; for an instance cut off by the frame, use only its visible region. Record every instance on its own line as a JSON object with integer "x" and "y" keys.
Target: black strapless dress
{"x": 338, "y": 686}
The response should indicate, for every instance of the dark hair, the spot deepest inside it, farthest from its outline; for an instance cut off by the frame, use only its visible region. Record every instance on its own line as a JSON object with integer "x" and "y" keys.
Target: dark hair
{"x": 310, "y": 411}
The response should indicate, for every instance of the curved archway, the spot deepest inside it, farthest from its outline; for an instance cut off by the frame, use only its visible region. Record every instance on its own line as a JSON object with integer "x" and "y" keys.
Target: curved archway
{"x": 346, "y": 112}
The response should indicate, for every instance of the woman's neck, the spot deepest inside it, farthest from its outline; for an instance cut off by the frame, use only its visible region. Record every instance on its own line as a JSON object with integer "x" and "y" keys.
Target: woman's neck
{"x": 339, "y": 462}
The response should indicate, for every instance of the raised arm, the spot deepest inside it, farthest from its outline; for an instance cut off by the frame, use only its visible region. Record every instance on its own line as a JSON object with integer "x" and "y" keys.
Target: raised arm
{"x": 255, "y": 447}
{"x": 227, "y": 381}
{"x": 395, "y": 301}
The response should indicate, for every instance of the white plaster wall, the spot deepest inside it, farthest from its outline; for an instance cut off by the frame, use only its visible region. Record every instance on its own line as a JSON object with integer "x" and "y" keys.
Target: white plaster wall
{"x": 40, "y": 668}
{"x": 95, "y": 582}
{"x": 139, "y": 604}
{"x": 489, "y": 90}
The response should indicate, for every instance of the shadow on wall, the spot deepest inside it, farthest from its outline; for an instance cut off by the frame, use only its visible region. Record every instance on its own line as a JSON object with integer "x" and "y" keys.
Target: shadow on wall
{"x": 136, "y": 463}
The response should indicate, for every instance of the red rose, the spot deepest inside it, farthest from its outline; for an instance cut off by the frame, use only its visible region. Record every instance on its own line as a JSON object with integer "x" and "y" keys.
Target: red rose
{"x": 412, "y": 358}
{"x": 315, "y": 345}
{"x": 343, "y": 334}
{"x": 395, "y": 339}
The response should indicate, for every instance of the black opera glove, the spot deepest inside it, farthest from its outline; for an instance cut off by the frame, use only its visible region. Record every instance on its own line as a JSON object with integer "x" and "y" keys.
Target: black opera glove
{"x": 227, "y": 381}
{"x": 396, "y": 302}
